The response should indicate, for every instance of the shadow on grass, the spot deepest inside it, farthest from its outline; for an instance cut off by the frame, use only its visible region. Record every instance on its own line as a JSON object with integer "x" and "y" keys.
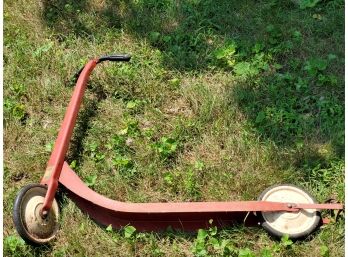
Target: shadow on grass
{"x": 63, "y": 14}
{"x": 88, "y": 112}
{"x": 291, "y": 118}
{"x": 42, "y": 250}
{"x": 186, "y": 32}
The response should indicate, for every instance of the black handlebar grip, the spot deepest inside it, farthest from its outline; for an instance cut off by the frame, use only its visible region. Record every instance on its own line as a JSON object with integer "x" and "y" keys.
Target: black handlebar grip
{"x": 115, "y": 58}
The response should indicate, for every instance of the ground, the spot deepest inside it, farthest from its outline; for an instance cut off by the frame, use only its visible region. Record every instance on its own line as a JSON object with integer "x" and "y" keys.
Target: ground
{"x": 220, "y": 101}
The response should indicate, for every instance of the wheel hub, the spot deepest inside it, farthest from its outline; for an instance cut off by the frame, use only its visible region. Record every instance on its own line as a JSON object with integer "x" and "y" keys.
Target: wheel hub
{"x": 294, "y": 224}
{"x": 36, "y": 225}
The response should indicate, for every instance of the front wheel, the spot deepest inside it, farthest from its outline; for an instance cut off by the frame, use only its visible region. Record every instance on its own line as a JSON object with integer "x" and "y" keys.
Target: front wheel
{"x": 27, "y": 219}
{"x": 295, "y": 224}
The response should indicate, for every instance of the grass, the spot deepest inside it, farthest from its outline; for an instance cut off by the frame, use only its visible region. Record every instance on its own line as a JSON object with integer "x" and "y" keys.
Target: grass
{"x": 218, "y": 102}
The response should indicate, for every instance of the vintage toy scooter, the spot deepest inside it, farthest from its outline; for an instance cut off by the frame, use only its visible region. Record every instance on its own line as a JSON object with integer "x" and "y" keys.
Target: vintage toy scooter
{"x": 280, "y": 209}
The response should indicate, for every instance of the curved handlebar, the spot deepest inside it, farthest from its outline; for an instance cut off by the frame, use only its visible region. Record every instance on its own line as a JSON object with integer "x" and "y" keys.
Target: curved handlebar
{"x": 112, "y": 58}
{"x": 115, "y": 58}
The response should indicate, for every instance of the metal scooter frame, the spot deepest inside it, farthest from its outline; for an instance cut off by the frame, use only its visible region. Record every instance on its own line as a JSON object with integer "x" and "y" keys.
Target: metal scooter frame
{"x": 186, "y": 216}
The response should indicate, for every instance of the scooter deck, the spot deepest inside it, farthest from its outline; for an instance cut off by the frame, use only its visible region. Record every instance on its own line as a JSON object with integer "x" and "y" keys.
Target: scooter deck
{"x": 188, "y": 216}
{"x": 185, "y": 216}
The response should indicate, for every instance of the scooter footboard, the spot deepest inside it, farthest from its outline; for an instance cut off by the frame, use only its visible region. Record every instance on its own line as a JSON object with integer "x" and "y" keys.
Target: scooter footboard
{"x": 150, "y": 216}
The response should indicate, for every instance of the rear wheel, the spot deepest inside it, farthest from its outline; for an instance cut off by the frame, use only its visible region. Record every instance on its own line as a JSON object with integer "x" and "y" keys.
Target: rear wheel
{"x": 29, "y": 224}
{"x": 295, "y": 224}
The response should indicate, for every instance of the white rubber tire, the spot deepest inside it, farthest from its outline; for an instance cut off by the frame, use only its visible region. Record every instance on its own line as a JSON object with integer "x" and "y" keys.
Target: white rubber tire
{"x": 295, "y": 224}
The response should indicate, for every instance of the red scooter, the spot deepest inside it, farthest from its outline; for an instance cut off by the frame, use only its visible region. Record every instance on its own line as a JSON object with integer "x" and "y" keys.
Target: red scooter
{"x": 280, "y": 209}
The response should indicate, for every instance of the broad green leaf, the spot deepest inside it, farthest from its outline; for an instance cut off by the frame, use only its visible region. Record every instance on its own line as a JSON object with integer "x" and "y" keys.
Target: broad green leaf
{"x": 286, "y": 241}
{"x": 173, "y": 147}
{"x": 13, "y": 242}
{"x": 215, "y": 243}
{"x": 308, "y": 3}
{"x": 260, "y": 117}
{"x": 154, "y": 36}
{"x": 226, "y": 51}
{"x": 277, "y": 66}
{"x": 49, "y": 147}
{"x": 90, "y": 180}
{"x": 202, "y": 234}
{"x": 246, "y": 253}
{"x": 213, "y": 231}
{"x": 123, "y": 131}
{"x": 258, "y": 47}
{"x": 131, "y": 104}
{"x": 129, "y": 231}
{"x": 266, "y": 253}
{"x": 245, "y": 69}
{"x": 321, "y": 64}
{"x": 324, "y": 251}
{"x": 174, "y": 82}
{"x": 109, "y": 228}
{"x": 44, "y": 48}
{"x": 199, "y": 165}
{"x": 73, "y": 165}
{"x": 168, "y": 178}
{"x": 332, "y": 57}
{"x": 297, "y": 34}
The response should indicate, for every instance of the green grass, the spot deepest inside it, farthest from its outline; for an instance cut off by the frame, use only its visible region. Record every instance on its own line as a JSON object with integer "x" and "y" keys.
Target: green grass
{"x": 218, "y": 102}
